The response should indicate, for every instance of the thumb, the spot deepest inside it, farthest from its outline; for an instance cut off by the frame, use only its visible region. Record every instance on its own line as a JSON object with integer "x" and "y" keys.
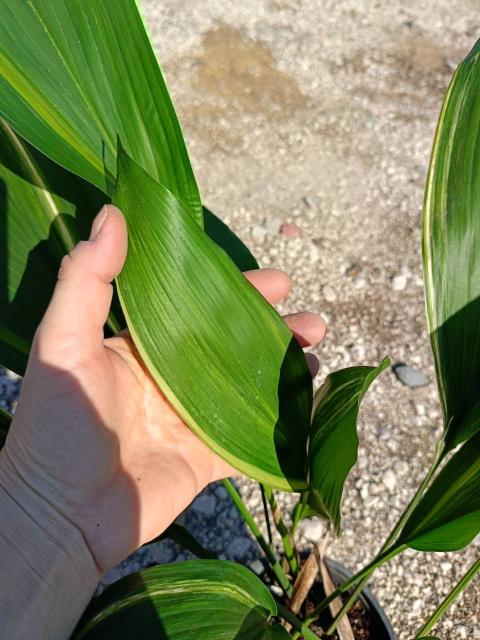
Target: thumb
{"x": 81, "y": 300}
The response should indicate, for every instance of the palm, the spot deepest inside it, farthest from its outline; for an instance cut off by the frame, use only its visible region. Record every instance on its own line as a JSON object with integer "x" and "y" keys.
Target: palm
{"x": 93, "y": 434}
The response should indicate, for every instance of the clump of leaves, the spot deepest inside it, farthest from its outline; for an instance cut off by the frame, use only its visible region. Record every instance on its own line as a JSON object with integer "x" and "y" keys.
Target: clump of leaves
{"x": 85, "y": 119}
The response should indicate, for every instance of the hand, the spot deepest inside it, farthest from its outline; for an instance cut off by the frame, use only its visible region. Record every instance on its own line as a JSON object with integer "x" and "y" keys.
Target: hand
{"x": 93, "y": 435}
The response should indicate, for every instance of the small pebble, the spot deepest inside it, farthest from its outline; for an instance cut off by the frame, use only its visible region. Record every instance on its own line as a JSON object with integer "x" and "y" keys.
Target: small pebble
{"x": 399, "y": 282}
{"x": 329, "y": 294}
{"x": 401, "y": 468}
{"x": 389, "y": 480}
{"x": 312, "y": 529}
{"x": 259, "y": 233}
{"x": 290, "y": 230}
{"x": 409, "y": 376}
{"x": 257, "y": 567}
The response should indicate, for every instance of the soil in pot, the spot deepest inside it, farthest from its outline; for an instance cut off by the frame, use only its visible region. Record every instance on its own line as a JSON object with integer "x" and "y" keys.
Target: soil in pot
{"x": 359, "y": 616}
{"x": 367, "y": 618}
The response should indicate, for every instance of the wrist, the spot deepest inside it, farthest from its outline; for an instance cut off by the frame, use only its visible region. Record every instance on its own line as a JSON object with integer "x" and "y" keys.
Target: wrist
{"x": 48, "y": 573}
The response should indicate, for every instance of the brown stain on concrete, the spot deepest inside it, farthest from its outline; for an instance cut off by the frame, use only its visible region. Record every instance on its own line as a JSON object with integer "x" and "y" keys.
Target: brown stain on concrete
{"x": 236, "y": 84}
{"x": 244, "y": 75}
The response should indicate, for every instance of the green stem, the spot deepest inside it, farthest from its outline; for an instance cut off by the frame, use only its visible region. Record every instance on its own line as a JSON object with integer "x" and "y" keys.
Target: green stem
{"x": 439, "y": 451}
{"x": 277, "y": 570}
{"x": 267, "y": 515}
{"x": 297, "y": 624}
{"x": 387, "y": 555}
{"x": 452, "y": 596}
{"x": 297, "y": 512}
{"x": 288, "y": 543}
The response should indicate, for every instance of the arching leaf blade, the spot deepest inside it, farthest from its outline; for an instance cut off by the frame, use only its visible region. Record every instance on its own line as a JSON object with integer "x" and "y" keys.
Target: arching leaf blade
{"x": 222, "y": 356}
{"x": 218, "y": 599}
{"x": 448, "y": 516}
{"x": 333, "y": 436}
{"x": 76, "y": 74}
{"x": 451, "y": 246}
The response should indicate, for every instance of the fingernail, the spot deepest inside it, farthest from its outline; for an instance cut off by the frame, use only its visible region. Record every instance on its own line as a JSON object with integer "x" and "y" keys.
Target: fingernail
{"x": 98, "y": 222}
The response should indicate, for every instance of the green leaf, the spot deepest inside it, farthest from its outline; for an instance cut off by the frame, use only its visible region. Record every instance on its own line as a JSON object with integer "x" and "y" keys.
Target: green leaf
{"x": 222, "y": 356}
{"x": 451, "y": 246}
{"x": 211, "y": 599}
{"x": 75, "y": 75}
{"x": 333, "y": 437}
{"x": 277, "y": 632}
{"x": 448, "y": 516}
{"x": 44, "y": 211}
{"x": 228, "y": 241}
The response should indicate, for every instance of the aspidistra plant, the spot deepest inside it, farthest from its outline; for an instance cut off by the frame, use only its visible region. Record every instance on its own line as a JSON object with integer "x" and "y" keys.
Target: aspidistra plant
{"x": 85, "y": 118}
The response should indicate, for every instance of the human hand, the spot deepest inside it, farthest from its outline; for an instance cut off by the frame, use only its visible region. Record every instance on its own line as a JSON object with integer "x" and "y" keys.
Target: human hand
{"x": 93, "y": 435}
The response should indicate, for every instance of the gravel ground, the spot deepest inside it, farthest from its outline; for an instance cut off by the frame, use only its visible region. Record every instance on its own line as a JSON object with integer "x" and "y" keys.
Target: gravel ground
{"x": 321, "y": 115}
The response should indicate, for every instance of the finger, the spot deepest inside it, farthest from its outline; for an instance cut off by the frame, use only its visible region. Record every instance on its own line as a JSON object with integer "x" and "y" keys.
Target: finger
{"x": 313, "y": 363}
{"x": 307, "y": 327}
{"x": 83, "y": 293}
{"x": 273, "y": 284}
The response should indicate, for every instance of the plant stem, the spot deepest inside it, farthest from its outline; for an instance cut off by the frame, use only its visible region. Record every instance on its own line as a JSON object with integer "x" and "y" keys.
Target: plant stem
{"x": 296, "y": 513}
{"x": 277, "y": 570}
{"x": 452, "y": 596}
{"x": 387, "y": 555}
{"x": 267, "y": 515}
{"x": 297, "y": 624}
{"x": 287, "y": 539}
{"x": 439, "y": 450}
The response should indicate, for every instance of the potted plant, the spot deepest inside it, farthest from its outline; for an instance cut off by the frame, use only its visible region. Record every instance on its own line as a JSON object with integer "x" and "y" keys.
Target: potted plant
{"x": 86, "y": 119}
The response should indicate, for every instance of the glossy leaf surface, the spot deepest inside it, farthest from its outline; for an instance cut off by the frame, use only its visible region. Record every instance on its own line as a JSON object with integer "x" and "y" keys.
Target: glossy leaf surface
{"x": 333, "y": 442}
{"x": 207, "y": 599}
{"x": 448, "y": 516}
{"x": 223, "y": 357}
{"x": 75, "y": 75}
{"x": 451, "y": 244}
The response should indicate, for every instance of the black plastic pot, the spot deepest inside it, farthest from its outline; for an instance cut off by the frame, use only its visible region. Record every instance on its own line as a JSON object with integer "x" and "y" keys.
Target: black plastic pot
{"x": 381, "y": 628}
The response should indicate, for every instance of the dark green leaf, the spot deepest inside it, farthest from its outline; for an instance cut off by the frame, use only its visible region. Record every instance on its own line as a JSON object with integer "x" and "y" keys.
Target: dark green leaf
{"x": 205, "y": 599}
{"x": 451, "y": 243}
{"x": 448, "y": 516}
{"x": 277, "y": 632}
{"x": 75, "y": 75}
{"x": 333, "y": 442}
{"x": 228, "y": 241}
{"x": 44, "y": 211}
{"x": 223, "y": 357}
